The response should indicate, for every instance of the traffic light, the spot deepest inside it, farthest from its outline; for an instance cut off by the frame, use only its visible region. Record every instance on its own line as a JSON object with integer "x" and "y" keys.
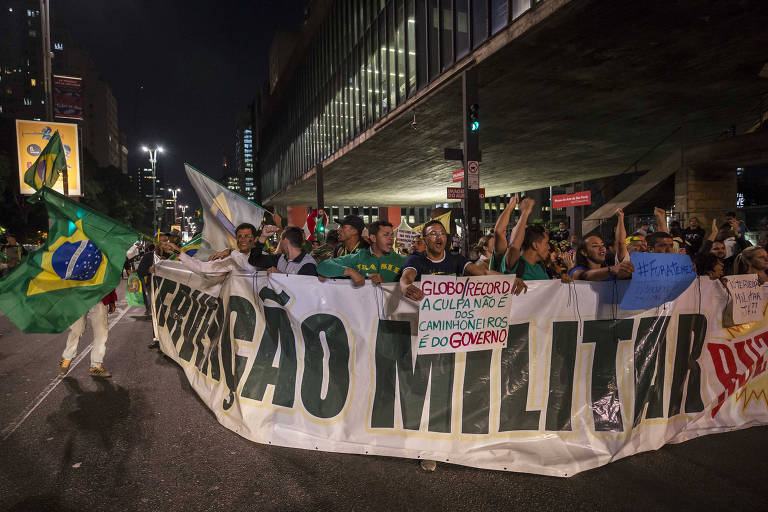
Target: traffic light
{"x": 474, "y": 117}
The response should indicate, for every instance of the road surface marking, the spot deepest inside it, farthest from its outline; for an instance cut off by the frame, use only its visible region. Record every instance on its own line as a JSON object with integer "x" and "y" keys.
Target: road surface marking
{"x": 21, "y": 418}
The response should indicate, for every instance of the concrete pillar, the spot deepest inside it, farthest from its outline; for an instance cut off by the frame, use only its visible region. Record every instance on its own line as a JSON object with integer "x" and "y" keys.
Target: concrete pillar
{"x": 705, "y": 192}
{"x": 540, "y": 195}
{"x": 390, "y": 214}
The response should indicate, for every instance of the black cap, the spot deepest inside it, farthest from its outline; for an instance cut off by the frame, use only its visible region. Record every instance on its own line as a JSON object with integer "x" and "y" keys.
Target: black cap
{"x": 354, "y": 221}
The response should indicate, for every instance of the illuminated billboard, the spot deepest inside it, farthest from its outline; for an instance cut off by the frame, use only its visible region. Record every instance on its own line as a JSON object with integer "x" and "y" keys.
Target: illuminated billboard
{"x": 32, "y": 137}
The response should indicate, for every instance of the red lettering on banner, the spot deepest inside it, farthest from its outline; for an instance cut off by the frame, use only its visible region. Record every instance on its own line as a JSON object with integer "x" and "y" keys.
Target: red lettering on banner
{"x": 468, "y": 288}
{"x": 464, "y": 339}
{"x": 726, "y": 367}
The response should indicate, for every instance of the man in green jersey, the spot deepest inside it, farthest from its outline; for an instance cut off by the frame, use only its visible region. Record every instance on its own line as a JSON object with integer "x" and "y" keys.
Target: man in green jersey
{"x": 378, "y": 262}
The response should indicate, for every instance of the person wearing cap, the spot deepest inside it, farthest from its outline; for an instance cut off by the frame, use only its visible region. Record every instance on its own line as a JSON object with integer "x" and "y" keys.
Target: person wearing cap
{"x": 379, "y": 262}
{"x": 350, "y": 236}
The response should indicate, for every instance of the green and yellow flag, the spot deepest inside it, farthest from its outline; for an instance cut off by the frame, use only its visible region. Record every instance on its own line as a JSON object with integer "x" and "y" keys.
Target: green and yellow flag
{"x": 81, "y": 262}
{"x": 48, "y": 166}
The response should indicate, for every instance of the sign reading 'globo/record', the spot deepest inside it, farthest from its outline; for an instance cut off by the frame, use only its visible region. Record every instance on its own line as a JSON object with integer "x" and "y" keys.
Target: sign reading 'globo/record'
{"x": 463, "y": 314}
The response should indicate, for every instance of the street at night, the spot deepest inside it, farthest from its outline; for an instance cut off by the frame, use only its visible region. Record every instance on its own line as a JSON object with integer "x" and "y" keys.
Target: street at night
{"x": 383, "y": 255}
{"x": 144, "y": 441}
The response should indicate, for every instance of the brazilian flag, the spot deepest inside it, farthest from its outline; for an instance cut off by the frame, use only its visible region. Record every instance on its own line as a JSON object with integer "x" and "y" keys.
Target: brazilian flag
{"x": 48, "y": 166}
{"x": 81, "y": 262}
{"x": 193, "y": 245}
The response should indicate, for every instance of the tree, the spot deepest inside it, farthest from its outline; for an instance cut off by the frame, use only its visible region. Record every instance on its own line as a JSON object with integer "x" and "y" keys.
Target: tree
{"x": 16, "y": 214}
{"x": 111, "y": 192}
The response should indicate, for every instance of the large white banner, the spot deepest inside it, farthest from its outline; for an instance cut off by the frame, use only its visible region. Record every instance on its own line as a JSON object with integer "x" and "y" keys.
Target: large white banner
{"x": 290, "y": 361}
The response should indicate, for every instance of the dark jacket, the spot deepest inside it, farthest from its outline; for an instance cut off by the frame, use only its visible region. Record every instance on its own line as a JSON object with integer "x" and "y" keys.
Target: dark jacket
{"x": 303, "y": 265}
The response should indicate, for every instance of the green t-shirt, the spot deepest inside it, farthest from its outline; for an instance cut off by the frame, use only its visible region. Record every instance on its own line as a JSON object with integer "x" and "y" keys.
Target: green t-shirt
{"x": 364, "y": 261}
{"x": 532, "y": 272}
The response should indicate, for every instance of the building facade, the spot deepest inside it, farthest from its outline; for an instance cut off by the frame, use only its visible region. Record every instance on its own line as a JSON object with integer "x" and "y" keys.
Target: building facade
{"x": 22, "y": 88}
{"x": 22, "y": 91}
{"x": 246, "y": 136}
{"x": 356, "y": 64}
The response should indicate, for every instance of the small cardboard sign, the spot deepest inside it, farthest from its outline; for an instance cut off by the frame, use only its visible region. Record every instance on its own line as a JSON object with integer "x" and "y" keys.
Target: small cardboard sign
{"x": 749, "y": 298}
{"x": 463, "y": 314}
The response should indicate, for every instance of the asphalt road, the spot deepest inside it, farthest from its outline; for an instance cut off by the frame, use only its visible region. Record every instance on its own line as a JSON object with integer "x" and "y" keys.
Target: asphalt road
{"x": 144, "y": 441}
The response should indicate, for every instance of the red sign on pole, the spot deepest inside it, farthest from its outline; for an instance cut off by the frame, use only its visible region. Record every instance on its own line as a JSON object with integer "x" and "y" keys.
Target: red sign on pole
{"x": 457, "y": 175}
{"x": 458, "y": 193}
{"x": 575, "y": 199}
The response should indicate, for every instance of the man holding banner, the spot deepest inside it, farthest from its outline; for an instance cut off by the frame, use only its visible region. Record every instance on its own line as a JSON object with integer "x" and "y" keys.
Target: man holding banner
{"x": 379, "y": 262}
{"x": 436, "y": 260}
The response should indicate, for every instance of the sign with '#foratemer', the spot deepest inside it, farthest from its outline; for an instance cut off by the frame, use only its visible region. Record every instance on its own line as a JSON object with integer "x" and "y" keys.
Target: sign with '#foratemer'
{"x": 462, "y": 314}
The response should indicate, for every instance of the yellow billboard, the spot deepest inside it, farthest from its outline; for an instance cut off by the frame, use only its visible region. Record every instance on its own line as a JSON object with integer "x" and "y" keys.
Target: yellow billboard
{"x": 31, "y": 138}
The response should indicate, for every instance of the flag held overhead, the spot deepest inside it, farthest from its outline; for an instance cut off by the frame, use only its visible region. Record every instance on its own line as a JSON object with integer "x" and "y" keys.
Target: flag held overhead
{"x": 223, "y": 211}
{"x": 81, "y": 262}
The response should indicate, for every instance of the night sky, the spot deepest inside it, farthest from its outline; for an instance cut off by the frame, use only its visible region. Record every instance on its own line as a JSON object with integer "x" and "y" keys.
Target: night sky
{"x": 180, "y": 71}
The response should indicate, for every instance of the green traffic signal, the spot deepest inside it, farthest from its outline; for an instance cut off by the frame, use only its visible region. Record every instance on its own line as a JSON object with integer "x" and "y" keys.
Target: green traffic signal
{"x": 475, "y": 126}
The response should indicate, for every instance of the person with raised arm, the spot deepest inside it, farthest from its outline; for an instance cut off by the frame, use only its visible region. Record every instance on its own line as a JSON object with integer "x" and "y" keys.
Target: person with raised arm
{"x": 590, "y": 258}
{"x": 528, "y": 249}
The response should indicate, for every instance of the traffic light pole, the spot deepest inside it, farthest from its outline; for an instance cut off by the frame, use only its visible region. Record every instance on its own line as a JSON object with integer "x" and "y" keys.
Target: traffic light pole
{"x": 471, "y": 202}
{"x": 320, "y": 196}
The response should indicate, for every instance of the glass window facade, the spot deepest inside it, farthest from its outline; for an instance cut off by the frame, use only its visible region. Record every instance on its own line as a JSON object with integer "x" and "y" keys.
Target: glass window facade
{"x": 366, "y": 59}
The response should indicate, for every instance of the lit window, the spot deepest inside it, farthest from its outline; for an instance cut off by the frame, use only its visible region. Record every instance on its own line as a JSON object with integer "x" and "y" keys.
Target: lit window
{"x": 27, "y": 101}
{"x": 58, "y": 46}
{"x": 33, "y": 82}
{"x": 739, "y": 200}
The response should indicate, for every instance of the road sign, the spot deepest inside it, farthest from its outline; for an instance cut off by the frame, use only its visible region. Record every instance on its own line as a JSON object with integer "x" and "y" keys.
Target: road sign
{"x": 576, "y": 199}
{"x": 473, "y": 175}
{"x": 457, "y": 175}
{"x": 453, "y": 154}
{"x": 458, "y": 193}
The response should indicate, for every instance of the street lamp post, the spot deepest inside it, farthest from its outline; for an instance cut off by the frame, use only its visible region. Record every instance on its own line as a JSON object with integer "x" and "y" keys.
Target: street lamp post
{"x": 153, "y": 162}
{"x": 174, "y": 192}
{"x": 183, "y": 209}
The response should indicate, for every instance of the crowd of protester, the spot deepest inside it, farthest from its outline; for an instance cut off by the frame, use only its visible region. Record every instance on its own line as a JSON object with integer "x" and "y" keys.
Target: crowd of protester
{"x": 529, "y": 252}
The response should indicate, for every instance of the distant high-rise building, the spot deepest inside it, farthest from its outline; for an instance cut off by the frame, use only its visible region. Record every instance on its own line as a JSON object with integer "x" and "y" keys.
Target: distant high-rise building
{"x": 245, "y": 152}
{"x": 232, "y": 183}
{"x": 22, "y": 88}
{"x": 22, "y": 82}
{"x": 101, "y": 136}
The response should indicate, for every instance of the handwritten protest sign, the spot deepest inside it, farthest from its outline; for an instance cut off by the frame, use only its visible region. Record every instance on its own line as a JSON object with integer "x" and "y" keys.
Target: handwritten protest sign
{"x": 407, "y": 237}
{"x": 749, "y": 298}
{"x": 658, "y": 278}
{"x": 462, "y": 314}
